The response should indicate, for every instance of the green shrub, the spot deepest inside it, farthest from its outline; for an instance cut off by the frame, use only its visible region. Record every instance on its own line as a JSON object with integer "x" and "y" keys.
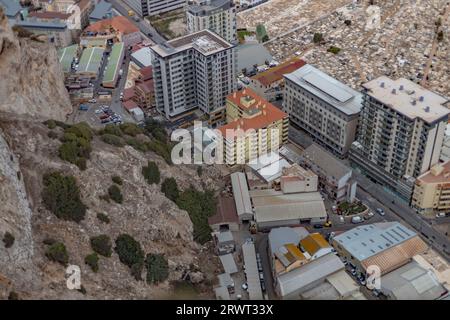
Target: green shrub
{"x": 318, "y": 37}
{"x": 50, "y": 124}
{"x": 117, "y": 180}
{"x": 52, "y": 135}
{"x": 49, "y": 241}
{"x": 200, "y": 206}
{"x": 76, "y": 147}
{"x": 115, "y": 194}
{"x": 157, "y": 268}
{"x": 129, "y": 250}
{"x": 170, "y": 188}
{"x": 8, "y": 239}
{"x": 92, "y": 261}
{"x": 136, "y": 271}
{"x": 61, "y": 196}
{"x": 102, "y": 245}
{"x": 137, "y": 144}
{"x": 162, "y": 149}
{"x": 151, "y": 173}
{"x": 112, "y": 140}
{"x": 13, "y": 296}
{"x": 130, "y": 129}
{"x": 334, "y": 50}
{"x": 103, "y": 217}
{"x": 57, "y": 252}
{"x": 111, "y": 129}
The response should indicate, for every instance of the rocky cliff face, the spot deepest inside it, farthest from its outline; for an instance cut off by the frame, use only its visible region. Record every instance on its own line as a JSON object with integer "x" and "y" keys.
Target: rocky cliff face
{"x": 31, "y": 79}
{"x": 31, "y": 90}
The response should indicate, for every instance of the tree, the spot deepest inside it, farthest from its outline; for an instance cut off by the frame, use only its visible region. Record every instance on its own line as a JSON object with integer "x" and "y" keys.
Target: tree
{"x": 103, "y": 217}
{"x": 92, "y": 261}
{"x": 131, "y": 129}
{"x": 157, "y": 268}
{"x": 170, "y": 188}
{"x": 318, "y": 37}
{"x": 129, "y": 250}
{"x": 348, "y": 23}
{"x": 440, "y": 36}
{"x": 57, "y": 252}
{"x": 151, "y": 173}
{"x": 62, "y": 197}
{"x": 334, "y": 49}
{"x": 118, "y": 180}
{"x": 102, "y": 245}
{"x": 8, "y": 239}
{"x": 115, "y": 194}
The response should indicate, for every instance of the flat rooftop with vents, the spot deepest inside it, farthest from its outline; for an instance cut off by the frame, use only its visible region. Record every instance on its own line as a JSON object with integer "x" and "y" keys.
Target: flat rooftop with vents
{"x": 330, "y": 90}
{"x": 205, "y": 42}
{"x": 408, "y": 98}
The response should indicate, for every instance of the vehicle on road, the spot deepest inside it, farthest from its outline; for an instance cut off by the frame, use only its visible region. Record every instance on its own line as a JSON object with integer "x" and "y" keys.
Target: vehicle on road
{"x": 357, "y": 219}
{"x": 341, "y": 219}
{"x": 92, "y": 101}
{"x": 328, "y": 224}
{"x": 440, "y": 215}
{"x": 130, "y": 13}
{"x": 380, "y": 211}
{"x": 353, "y": 272}
{"x": 318, "y": 226}
{"x": 98, "y": 111}
{"x": 244, "y": 286}
{"x": 83, "y": 107}
{"x": 263, "y": 286}
{"x": 370, "y": 214}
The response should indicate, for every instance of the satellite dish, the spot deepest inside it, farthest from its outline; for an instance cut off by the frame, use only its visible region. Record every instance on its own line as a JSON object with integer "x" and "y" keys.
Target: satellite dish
{"x": 75, "y": 18}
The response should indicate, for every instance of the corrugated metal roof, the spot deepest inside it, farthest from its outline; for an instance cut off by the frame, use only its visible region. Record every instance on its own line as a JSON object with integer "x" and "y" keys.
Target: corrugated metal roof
{"x": 229, "y": 265}
{"x": 251, "y": 271}
{"x": 313, "y": 243}
{"x": 309, "y": 273}
{"x": 241, "y": 194}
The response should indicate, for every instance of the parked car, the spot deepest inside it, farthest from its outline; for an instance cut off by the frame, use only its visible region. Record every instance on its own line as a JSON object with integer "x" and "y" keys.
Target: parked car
{"x": 104, "y": 116}
{"x": 328, "y": 224}
{"x": 104, "y": 121}
{"x": 263, "y": 286}
{"x": 83, "y": 107}
{"x": 261, "y": 276}
{"x": 244, "y": 286}
{"x": 341, "y": 219}
{"x": 92, "y": 101}
{"x": 370, "y": 214}
{"x": 98, "y": 111}
{"x": 380, "y": 211}
{"x": 318, "y": 226}
{"x": 357, "y": 219}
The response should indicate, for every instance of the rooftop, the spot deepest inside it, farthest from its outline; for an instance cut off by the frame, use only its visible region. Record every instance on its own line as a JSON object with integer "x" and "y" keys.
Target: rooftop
{"x": 143, "y": 56}
{"x": 226, "y": 212}
{"x": 66, "y": 56}
{"x": 408, "y": 98}
{"x": 39, "y": 24}
{"x": 90, "y": 60}
{"x": 412, "y": 282}
{"x": 271, "y": 205}
{"x": 204, "y": 41}
{"x": 100, "y": 11}
{"x": 258, "y": 113}
{"x": 366, "y": 241}
{"x": 240, "y": 193}
{"x": 118, "y": 24}
{"x": 251, "y": 271}
{"x": 113, "y": 66}
{"x": 439, "y": 173}
{"x": 11, "y": 7}
{"x": 330, "y": 90}
{"x": 275, "y": 74}
{"x": 200, "y": 8}
{"x": 325, "y": 161}
{"x": 49, "y": 15}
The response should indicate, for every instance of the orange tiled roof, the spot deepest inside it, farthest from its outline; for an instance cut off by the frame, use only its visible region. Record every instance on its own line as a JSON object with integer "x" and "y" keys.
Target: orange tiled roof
{"x": 275, "y": 74}
{"x": 120, "y": 24}
{"x": 269, "y": 113}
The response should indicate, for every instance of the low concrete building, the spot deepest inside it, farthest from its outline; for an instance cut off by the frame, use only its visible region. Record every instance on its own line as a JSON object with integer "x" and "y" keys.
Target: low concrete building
{"x": 102, "y": 10}
{"x": 225, "y": 242}
{"x": 228, "y": 263}
{"x": 241, "y": 196}
{"x": 226, "y": 217}
{"x": 388, "y": 245}
{"x": 432, "y": 191}
{"x": 276, "y": 209}
{"x": 412, "y": 282}
{"x": 251, "y": 271}
{"x": 296, "y": 179}
{"x": 334, "y": 176}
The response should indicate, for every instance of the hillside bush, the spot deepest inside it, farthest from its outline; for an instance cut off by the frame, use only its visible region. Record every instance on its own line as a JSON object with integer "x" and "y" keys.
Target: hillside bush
{"x": 102, "y": 245}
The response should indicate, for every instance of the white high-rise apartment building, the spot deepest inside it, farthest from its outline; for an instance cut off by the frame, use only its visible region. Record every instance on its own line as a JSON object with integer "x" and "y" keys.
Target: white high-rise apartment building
{"x": 219, "y": 16}
{"x": 401, "y": 131}
{"x": 153, "y": 7}
{"x": 194, "y": 71}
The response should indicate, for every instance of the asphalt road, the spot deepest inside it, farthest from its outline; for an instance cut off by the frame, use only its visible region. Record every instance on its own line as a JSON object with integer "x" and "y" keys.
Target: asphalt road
{"x": 143, "y": 25}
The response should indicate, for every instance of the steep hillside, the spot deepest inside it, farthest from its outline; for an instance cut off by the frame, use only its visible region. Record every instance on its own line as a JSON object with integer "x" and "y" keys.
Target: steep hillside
{"x": 31, "y": 79}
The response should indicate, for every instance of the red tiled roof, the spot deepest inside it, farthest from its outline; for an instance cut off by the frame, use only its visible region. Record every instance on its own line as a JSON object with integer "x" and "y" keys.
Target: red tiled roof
{"x": 49, "y": 15}
{"x": 269, "y": 113}
{"x": 128, "y": 94}
{"x": 146, "y": 73}
{"x": 119, "y": 24}
{"x": 129, "y": 105}
{"x": 275, "y": 74}
{"x": 146, "y": 86}
{"x": 226, "y": 212}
